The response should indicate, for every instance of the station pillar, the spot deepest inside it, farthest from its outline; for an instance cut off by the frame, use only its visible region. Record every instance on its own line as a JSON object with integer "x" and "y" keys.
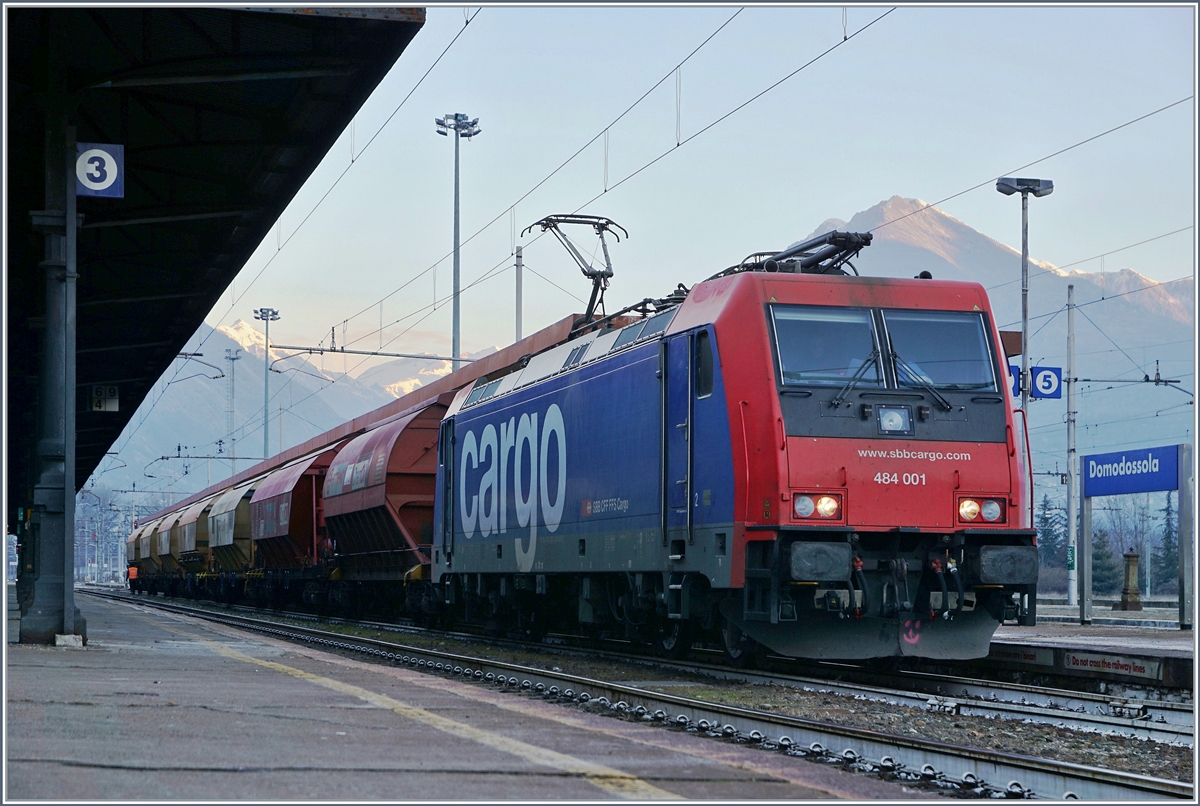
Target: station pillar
{"x": 50, "y": 609}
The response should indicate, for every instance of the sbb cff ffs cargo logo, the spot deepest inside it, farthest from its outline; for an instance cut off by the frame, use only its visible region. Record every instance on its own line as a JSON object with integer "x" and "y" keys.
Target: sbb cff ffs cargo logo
{"x": 496, "y": 460}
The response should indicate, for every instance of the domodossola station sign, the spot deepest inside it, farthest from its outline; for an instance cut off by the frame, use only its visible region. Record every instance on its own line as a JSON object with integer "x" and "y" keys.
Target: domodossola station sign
{"x": 1142, "y": 470}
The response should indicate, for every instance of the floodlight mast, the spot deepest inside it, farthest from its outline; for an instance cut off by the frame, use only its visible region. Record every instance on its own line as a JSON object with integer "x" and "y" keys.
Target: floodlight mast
{"x": 1009, "y": 185}
{"x": 267, "y": 315}
{"x": 458, "y": 123}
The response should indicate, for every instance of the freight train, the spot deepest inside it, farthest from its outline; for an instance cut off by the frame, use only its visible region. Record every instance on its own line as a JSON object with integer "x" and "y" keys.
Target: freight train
{"x": 785, "y": 458}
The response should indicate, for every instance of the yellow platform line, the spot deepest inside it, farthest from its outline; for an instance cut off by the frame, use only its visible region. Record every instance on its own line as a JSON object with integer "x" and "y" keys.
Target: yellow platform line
{"x": 616, "y": 782}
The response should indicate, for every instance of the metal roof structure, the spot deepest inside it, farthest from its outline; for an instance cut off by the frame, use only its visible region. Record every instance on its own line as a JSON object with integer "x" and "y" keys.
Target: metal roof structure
{"x": 223, "y": 114}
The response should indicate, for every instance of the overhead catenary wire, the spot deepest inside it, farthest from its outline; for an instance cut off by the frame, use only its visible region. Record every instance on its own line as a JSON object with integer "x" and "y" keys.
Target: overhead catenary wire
{"x": 353, "y": 162}
{"x": 1047, "y": 322}
{"x": 1113, "y": 343}
{"x": 1141, "y": 347}
{"x": 1157, "y": 414}
{"x": 603, "y": 133}
{"x": 1105, "y": 299}
{"x": 1101, "y": 256}
{"x": 1031, "y": 164}
{"x": 270, "y": 260}
{"x": 740, "y": 106}
{"x": 429, "y": 309}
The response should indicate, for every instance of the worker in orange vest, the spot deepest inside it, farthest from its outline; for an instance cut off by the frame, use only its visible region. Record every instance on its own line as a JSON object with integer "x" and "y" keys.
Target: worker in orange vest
{"x": 131, "y": 575}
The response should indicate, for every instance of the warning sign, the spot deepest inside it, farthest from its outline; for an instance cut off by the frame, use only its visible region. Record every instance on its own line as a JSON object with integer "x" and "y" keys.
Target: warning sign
{"x": 1113, "y": 664}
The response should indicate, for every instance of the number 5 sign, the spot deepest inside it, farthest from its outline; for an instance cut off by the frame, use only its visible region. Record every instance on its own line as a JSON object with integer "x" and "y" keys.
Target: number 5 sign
{"x": 100, "y": 170}
{"x": 1047, "y": 381}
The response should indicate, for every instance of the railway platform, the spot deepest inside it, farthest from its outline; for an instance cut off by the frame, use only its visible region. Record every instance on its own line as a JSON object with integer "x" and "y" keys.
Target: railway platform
{"x": 163, "y": 707}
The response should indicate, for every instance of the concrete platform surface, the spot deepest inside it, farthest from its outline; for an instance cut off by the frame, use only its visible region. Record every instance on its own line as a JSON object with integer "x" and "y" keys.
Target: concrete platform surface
{"x": 162, "y": 707}
{"x": 1160, "y": 641}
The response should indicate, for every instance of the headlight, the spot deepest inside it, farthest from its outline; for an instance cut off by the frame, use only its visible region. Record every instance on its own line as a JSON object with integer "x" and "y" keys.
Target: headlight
{"x": 827, "y": 506}
{"x": 990, "y": 511}
{"x": 803, "y": 506}
{"x": 968, "y": 510}
{"x": 816, "y": 506}
{"x": 895, "y": 419}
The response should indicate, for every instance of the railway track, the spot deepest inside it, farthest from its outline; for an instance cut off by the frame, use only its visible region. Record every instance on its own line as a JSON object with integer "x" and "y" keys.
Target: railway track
{"x": 982, "y": 772}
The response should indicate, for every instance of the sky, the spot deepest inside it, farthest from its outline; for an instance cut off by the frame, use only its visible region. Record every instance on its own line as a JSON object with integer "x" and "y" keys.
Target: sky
{"x": 921, "y": 102}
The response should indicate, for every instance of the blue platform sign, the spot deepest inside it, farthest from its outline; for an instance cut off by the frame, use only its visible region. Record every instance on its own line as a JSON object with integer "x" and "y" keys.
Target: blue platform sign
{"x": 100, "y": 170}
{"x": 1047, "y": 382}
{"x": 1143, "y": 470}
{"x": 1014, "y": 372}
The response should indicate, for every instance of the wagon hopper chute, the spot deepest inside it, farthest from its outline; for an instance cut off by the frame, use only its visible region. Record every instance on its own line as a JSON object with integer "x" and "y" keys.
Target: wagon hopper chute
{"x": 229, "y": 528}
{"x": 165, "y": 544}
{"x": 147, "y": 562}
{"x": 193, "y": 540}
{"x": 379, "y": 494}
{"x": 286, "y": 513}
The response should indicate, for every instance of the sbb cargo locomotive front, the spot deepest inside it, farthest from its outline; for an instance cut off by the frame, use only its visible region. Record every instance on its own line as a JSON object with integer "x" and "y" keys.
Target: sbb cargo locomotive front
{"x": 788, "y": 458}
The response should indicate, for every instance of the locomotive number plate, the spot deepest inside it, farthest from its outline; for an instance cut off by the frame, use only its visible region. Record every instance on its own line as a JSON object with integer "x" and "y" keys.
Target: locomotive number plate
{"x": 900, "y": 478}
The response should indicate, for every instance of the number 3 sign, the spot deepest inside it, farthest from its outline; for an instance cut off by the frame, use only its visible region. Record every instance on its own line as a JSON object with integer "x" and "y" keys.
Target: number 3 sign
{"x": 100, "y": 170}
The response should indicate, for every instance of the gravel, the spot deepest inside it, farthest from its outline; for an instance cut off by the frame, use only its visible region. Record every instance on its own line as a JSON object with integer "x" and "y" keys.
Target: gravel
{"x": 1114, "y": 752}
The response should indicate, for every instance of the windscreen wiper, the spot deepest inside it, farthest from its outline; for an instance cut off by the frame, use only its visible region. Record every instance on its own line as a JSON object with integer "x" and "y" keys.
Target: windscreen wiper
{"x": 920, "y": 381}
{"x": 854, "y": 379}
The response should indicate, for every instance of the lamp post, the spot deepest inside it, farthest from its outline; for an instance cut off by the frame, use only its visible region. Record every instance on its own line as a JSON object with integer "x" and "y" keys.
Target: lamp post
{"x": 267, "y": 315}
{"x": 459, "y": 124}
{"x": 1038, "y": 187}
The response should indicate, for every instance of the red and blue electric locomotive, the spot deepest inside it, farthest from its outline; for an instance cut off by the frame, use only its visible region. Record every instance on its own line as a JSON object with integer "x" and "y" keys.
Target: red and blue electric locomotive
{"x": 786, "y": 457}
{"x": 789, "y": 458}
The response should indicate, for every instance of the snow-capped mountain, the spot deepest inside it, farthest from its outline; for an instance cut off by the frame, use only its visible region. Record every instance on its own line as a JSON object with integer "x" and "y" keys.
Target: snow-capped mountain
{"x": 402, "y": 375}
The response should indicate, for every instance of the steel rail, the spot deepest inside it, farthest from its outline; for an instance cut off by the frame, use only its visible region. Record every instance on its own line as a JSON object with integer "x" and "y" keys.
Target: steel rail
{"x": 979, "y": 768}
{"x": 1156, "y": 711}
{"x": 1160, "y": 722}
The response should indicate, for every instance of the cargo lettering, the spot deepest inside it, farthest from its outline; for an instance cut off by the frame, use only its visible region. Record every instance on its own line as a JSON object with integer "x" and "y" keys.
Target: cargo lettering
{"x": 518, "y": 444}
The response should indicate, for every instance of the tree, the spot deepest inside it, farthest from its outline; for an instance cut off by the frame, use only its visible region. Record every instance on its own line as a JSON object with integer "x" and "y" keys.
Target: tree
{"x": 1108, "y": 575}
{"x": 1051, "y": 535}
{"x": 1166, "y": 555}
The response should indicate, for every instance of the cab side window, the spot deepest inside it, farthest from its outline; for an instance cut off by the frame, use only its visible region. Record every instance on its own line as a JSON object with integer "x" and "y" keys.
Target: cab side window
{"x": 704, "y": 364}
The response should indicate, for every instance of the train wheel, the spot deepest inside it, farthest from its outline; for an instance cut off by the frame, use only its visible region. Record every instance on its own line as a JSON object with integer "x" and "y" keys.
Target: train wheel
{"x": 673, "y": 638}
{"x": 739, "y": 650}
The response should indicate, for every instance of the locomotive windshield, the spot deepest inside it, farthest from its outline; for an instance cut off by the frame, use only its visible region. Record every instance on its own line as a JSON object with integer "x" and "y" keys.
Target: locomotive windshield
{"x": 825, "y": 345}
{"x": 944, "y": 349}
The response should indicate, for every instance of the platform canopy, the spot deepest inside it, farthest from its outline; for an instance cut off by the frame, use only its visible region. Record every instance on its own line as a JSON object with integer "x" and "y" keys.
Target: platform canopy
{"x": 223, "y": 114}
